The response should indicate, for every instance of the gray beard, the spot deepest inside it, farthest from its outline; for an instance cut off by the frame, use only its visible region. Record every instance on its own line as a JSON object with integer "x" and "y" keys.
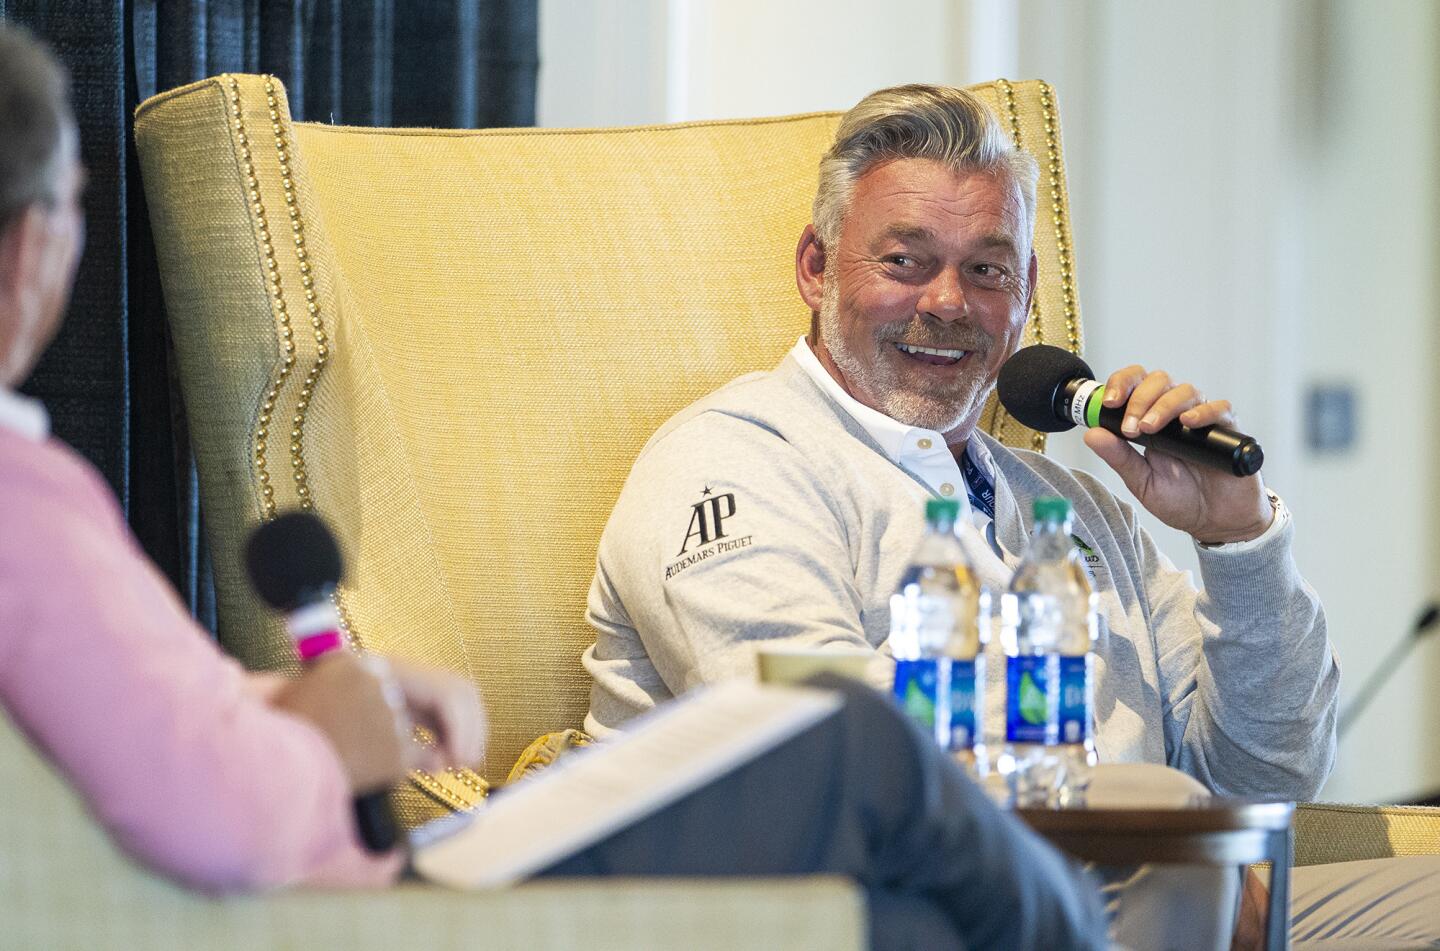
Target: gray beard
{"x": 941, "y": 409}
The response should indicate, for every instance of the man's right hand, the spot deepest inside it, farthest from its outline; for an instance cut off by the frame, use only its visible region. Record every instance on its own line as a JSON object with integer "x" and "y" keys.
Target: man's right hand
{"x": 367, "y": 707}
{"x": 344, "y": 698}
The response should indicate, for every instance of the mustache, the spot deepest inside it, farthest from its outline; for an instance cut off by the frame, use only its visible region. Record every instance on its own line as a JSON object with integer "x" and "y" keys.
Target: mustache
{"x": 919, "y": 333}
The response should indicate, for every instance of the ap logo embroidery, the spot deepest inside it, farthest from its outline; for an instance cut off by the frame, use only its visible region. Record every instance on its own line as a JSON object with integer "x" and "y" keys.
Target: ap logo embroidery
{"x": 706, "y": 535}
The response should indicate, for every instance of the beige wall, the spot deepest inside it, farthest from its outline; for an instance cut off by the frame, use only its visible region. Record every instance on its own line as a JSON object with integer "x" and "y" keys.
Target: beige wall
{"x": 617, "y": 62}
{"x": 1370, "y": 302}
{"x": 1254, "y": 193}
{"x": 1232, "y": 188}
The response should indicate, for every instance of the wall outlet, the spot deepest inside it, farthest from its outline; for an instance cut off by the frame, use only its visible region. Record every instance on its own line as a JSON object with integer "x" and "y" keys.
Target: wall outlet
{"x": 1330, "y": 411}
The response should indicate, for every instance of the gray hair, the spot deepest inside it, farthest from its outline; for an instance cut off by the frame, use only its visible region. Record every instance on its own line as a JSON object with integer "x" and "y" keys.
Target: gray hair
{"x": 34, "y": 116}
{"x": 940, "y": 123}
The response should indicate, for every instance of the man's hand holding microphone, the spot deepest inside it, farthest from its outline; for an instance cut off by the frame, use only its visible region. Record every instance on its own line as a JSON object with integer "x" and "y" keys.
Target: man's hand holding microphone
{"x": 367, "y": 706}
{"x": 1202, "y": 477}
{"x": 1212, "y": 505}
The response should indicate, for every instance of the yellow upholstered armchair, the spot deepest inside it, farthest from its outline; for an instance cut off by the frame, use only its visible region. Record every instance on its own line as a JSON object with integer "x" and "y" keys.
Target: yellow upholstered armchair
{"x": 452, "y": 346}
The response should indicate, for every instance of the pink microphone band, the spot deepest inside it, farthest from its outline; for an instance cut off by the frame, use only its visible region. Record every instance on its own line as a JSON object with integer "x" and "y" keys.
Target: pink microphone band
{"x": 313, "y": 645}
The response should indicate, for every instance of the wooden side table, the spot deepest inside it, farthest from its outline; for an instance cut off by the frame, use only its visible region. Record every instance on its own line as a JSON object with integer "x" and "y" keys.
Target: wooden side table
{"x": 1214, "y": 832}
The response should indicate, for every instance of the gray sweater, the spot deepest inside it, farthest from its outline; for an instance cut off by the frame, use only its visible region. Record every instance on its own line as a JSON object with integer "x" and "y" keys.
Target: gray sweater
{"x": 765, "y": 513}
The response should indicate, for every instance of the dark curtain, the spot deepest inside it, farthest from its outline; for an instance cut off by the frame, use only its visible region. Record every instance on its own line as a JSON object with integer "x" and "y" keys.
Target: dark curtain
{"x": 106, "y": 379}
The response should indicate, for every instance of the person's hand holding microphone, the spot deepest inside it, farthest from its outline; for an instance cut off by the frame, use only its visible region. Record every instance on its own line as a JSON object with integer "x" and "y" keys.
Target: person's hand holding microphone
{"x": 1213, "y": 506}
{"x": 1198, "y": 475}
{"x": 366, "y": 706}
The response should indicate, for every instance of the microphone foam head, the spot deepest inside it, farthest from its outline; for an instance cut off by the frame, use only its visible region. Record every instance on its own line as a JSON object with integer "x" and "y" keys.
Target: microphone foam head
{"x": 293, "y": 560}
{"x": 1029, "y": 381}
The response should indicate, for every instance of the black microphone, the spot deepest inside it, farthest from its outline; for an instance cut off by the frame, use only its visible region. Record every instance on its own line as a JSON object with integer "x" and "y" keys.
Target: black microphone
{"x": 1052, "y": 390}
{"x": 1423, "y": 625}
{"x": 294, "y": 565}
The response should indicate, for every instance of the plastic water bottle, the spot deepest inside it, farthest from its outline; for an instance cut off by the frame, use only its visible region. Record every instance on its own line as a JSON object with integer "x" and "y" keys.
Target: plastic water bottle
{"x": 1028, "y": 764}
{"x": 937, "y": 638}
{"x": 1052, "y": 568}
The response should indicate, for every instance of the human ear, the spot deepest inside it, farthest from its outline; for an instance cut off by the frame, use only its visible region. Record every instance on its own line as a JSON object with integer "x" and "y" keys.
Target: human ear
{"x": 810, "y": 268}
{"x": 1032, "y": 273}
{"x": 21, "y": 249}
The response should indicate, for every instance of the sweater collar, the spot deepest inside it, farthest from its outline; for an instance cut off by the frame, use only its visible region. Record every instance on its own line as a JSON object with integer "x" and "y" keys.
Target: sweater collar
{"x": 23, "y": 415}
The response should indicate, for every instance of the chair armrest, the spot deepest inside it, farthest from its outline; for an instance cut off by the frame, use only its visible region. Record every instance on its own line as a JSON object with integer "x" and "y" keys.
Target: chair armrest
{"x": 64, "y": 884}
{"x": 795, "y": 914}
{"x": 1328, "y": 832}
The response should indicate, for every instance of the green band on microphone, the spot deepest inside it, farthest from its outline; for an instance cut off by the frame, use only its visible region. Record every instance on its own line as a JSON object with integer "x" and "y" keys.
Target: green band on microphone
{"x": 1092, "y": 407}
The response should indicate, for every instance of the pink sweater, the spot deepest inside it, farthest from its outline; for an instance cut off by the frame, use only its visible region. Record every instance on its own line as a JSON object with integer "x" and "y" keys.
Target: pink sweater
{"x": 172, "y": 744}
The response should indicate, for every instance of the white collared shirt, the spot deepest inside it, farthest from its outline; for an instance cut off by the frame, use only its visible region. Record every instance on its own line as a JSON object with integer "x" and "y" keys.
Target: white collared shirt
{"x": 24, "y": 415}
{"x": 920, "y": 452}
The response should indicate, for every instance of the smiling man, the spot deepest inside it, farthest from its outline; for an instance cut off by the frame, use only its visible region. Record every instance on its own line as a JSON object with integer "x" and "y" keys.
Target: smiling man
{"x": 927, "y": 294}
{"x": 782, "y": 509}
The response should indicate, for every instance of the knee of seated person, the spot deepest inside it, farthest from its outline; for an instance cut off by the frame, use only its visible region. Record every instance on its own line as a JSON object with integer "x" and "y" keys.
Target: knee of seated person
{"x": 852, "y": 689}
{"x": 868, "y": 710}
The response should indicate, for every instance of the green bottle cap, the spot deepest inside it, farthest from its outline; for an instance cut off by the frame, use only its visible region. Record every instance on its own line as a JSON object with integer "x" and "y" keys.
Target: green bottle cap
{"x": 1051, "y": 509}
{"x": 942, "y": 510}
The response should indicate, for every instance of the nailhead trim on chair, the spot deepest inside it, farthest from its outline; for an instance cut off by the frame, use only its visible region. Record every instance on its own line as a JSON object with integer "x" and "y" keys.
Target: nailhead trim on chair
{"x": 322, "y": 343}
{"x": 284, "y": 149}
{"x": 267, "y": 407}
{"x": 1067, "y": 285}
{"x": 1062, "y": 245}
{"x": 287, "y": 334}
{"x": 1007, "y": 91}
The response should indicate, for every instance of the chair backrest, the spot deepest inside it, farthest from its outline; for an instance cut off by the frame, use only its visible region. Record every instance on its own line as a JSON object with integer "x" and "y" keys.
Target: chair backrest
{"x": 452, "y": 344}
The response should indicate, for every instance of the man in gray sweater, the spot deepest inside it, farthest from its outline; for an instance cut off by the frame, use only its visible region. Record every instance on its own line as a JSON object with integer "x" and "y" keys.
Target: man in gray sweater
{"x": 782, "y": 509}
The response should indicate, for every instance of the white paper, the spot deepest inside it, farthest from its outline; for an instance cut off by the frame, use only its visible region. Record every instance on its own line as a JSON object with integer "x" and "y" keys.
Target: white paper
{"x": 591, "y": 793}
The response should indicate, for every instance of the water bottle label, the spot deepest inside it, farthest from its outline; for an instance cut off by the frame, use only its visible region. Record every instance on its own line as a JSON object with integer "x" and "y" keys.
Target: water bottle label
{"x": 964, "y": 702}
{"x": 1030, "y": 698}
{"x": 1077, "y": 699}
{"x": 918, "y": 691}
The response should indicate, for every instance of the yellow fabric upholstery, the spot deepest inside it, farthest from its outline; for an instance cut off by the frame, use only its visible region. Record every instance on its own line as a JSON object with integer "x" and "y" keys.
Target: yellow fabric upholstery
{"x": 546, "y": 750}
{"x": 481, "y": 329}
{"x": 64, "y": 885}
{"x": 1326, "y": 832}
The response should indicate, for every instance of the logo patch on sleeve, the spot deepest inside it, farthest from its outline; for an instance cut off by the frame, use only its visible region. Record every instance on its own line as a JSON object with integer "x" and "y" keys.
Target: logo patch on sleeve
{"x": 706, "y": 535}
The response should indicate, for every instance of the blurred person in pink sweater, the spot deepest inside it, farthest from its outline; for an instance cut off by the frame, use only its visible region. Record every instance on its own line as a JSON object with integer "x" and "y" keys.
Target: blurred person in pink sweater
{"x": 220, "y": 778}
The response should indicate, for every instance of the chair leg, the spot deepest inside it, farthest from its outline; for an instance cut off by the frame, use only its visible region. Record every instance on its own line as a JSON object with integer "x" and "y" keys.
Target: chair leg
{"x": 1277, "y": 921}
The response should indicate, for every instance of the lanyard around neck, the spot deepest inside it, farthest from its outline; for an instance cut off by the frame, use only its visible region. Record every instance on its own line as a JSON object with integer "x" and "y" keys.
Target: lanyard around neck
{"x": 978, "y": 486}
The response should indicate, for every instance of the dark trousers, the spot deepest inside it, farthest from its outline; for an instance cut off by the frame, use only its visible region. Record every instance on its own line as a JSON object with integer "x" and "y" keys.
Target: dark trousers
{"x": 867, "y": 795}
